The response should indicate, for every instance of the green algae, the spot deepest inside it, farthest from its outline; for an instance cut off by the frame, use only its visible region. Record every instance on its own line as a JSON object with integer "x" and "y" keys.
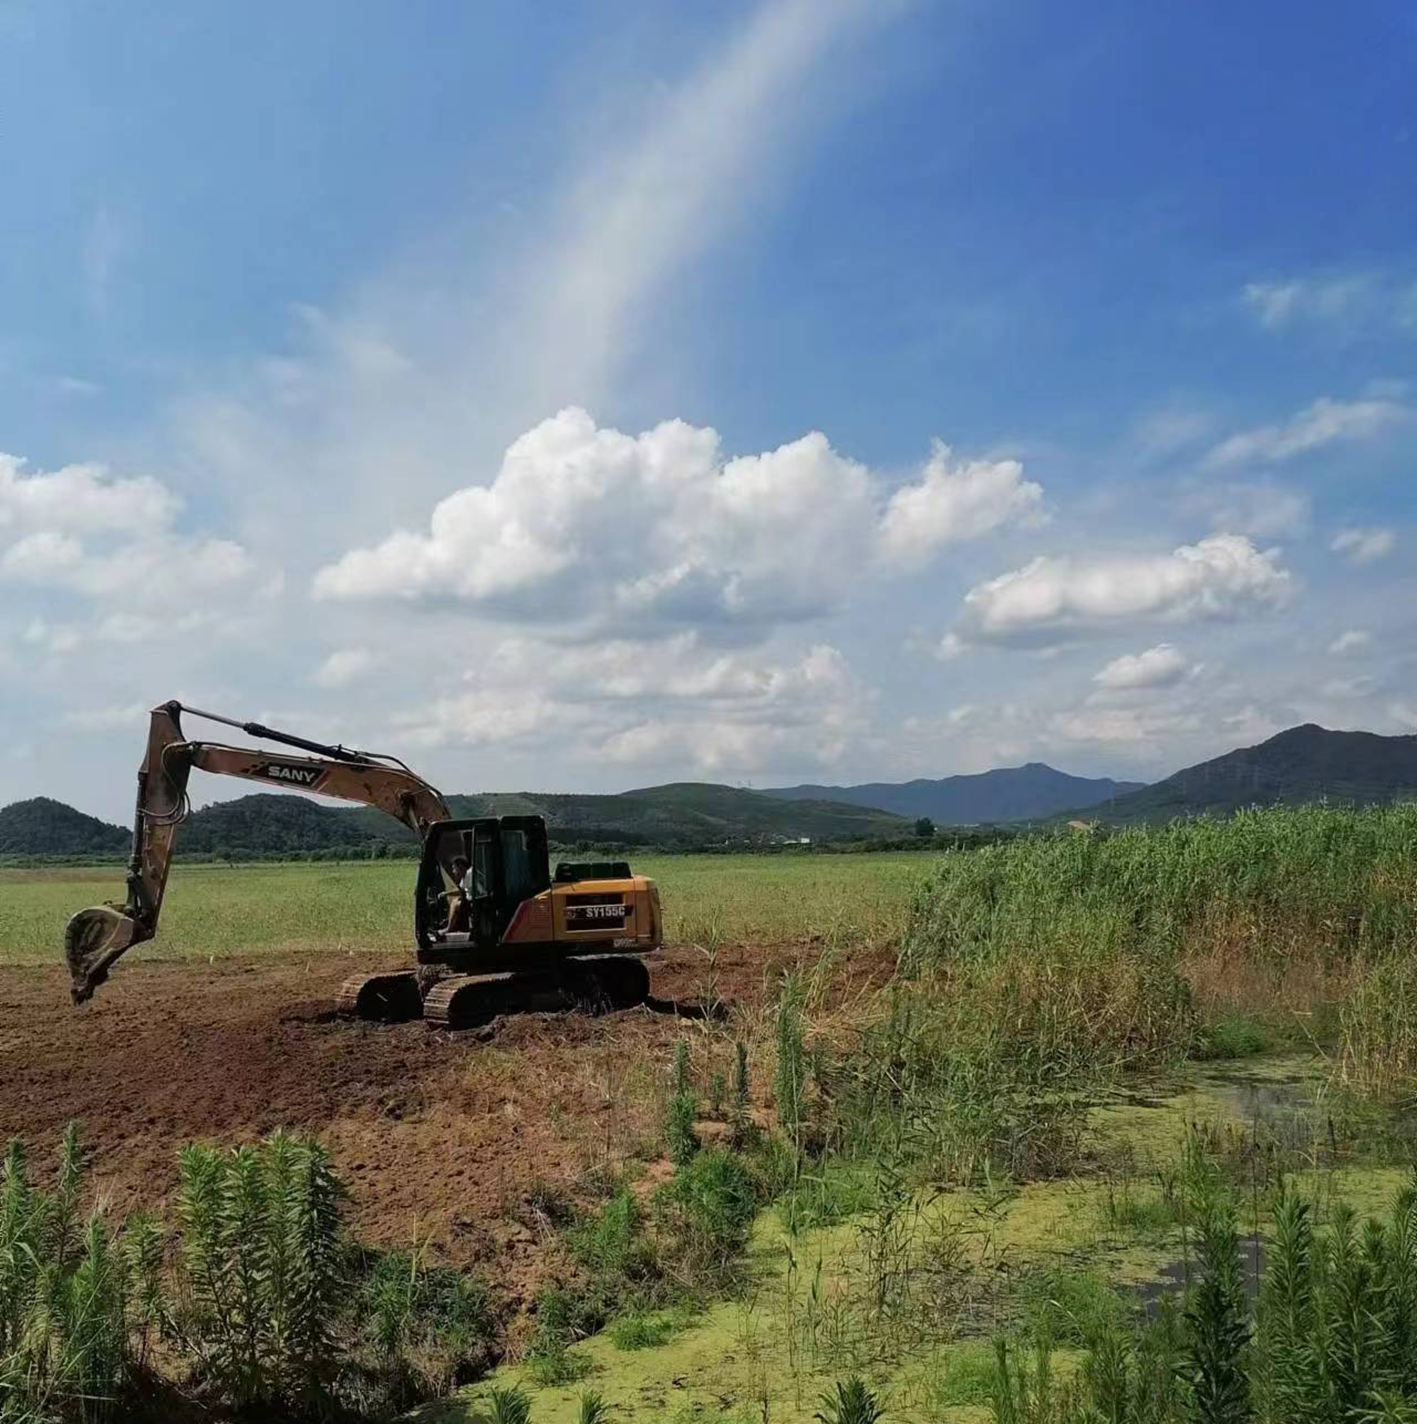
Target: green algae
{"x": 965, "y": 1265}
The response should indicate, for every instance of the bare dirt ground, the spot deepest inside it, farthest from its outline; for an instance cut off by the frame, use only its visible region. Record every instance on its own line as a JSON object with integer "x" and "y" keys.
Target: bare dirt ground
{"x": 447, "y": 1139}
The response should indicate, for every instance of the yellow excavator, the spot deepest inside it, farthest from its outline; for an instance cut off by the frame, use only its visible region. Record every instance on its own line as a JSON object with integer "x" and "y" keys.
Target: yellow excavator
{"x": 495, "y": 931}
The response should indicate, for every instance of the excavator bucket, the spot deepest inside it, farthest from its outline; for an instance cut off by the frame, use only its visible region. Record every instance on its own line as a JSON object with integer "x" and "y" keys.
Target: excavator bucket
{"x": 93, "y": 939}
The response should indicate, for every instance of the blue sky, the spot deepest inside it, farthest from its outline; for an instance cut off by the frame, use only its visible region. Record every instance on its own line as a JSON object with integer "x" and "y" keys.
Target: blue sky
{"x": 551, "y": 393}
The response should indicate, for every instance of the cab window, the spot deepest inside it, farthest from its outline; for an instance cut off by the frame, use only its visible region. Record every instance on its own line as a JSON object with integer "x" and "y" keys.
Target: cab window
{"x": 516, "y": 866}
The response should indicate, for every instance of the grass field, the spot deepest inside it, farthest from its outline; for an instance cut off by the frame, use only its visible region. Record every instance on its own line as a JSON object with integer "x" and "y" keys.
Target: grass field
{"x": 218, "y": 910}
{"x": 1029, "y": 1178}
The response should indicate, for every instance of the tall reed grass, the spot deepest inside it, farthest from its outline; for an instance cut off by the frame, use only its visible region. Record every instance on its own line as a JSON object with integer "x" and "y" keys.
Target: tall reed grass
{"x": 1266, "y": 880}
{"x": 1118, "y": 944}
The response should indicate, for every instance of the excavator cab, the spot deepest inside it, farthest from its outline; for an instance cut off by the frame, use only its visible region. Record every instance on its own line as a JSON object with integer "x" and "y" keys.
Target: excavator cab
{"x": 458, "y": 911}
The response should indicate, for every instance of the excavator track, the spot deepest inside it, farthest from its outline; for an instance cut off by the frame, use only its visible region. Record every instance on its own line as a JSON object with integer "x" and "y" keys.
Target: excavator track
{"x": 381, "y": 998}
{"x": 596, "y": 983}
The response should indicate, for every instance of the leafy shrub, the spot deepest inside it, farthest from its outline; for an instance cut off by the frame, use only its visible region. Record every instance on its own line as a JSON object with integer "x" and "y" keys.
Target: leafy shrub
{"x": 644, "y": 1332}
{"x": 852, "y": 1402}
{"x": 556, "y": 1365}
{"x": 682, "y": 1110}
{"x": 262, "y": 1277}
{"x": 592, "y": 1408}
{"x": 427, "y": 1329}
{"x": 72, "y": 1297}
{"x": 260, "y": 1305}
{"x": 1071, "y": 1307}
{"x": 1236, "y": 1036}
{"x": 614, "y": 1246}
{"x": 504, "y": 1405}
{"x": 708, "y": 1210}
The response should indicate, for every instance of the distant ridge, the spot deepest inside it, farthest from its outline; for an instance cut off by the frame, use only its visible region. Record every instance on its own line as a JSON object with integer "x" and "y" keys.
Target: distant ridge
{"x": 42, "y": 827}
{"x": 683, "y": 815}
{"x": 1017, "y": 793}
{"x": 1303, "y": 764}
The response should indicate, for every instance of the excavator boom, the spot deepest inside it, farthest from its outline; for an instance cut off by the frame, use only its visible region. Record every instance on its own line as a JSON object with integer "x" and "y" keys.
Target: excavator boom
{"x": 96, "y": 938}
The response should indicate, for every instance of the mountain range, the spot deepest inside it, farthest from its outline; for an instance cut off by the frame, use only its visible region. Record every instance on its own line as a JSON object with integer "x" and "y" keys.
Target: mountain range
{"x": 1015, "y": 793}
{"x": 1303, "y": 764}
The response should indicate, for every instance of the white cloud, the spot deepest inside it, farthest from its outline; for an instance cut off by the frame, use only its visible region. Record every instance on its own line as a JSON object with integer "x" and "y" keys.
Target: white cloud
{"x": 705, "y": 151}
{"x": 1404, "y": 714}
{"x": 131, "y": 715}
{"x": 1263, "y": 509}
{"x": 669, "y": 702}
{"x": 953, "y": 502}
{"x": 801, "y": 715}
{"x": 56, "y": 638}
{"x": 1111, "y": 726}
{"x": 1162, "y": 433}
{"x": 107, "y": 241}
{"x": 1053, "y": 600}
{"x": 1345, "y": 304}
{"x": 1354, "y": 640}
{"x": 80, "y": 499}
{"x": 1348, "y": 687}
{"x": 1161, "y": 666}
{"x": 1319, "y": 424}
{"x": 343, "y": 666}
{"x": 83, "y": 530}
{"x": 1364, "y": 546}
{"x": 661, "y": 530}
{"x": 1314, "y": 299}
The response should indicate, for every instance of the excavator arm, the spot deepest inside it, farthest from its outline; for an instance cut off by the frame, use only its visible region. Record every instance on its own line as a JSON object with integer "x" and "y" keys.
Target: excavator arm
{"x": 97, "y": 937}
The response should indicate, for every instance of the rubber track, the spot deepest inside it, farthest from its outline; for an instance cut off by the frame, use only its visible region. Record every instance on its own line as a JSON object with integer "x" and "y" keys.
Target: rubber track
{"x": 380, "y": 998}
{"x": 595, "y": 984}
{"x": 469, "y": 1000}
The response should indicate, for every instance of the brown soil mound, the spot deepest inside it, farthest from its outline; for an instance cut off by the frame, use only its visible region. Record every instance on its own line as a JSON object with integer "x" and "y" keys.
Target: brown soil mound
{"x": 444, "y": 1138}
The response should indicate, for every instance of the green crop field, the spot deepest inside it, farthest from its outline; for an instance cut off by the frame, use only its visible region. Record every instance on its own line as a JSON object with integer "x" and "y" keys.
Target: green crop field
{"x": 212, "y": 909}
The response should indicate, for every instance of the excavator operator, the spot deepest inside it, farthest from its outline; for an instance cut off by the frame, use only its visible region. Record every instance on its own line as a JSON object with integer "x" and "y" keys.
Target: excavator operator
{"x": 459, "y": 899}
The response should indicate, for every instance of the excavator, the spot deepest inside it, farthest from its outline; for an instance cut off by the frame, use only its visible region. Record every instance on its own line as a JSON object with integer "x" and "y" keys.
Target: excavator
{"x": 494, "y": 930}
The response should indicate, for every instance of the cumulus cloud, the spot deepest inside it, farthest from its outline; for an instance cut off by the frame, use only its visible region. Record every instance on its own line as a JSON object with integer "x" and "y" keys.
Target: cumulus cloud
{"x": 1364, "y": 546}
{"x": 82, "y": 529}
{"x": 662, "y": 529}
{"x": 1161, "y": 666}
{"x": 955, "y": 501}
{"x": 1055, "y": 600}
{"x": 1354, "y": 640}
{"x": 1319, "y": 424}
{"x": 80, "y": 499}
{"x": 670, "y": 701}
{"x": 343, "y": 666}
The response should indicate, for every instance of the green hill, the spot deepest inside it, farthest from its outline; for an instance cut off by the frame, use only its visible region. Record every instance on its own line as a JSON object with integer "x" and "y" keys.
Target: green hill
{"x": 43, "y": 828}
{"x": 688, "y": 813}
{"x": 1304, "y": 764}
{"x": 271, "y": 825}
{"x": 265, "y": 826}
